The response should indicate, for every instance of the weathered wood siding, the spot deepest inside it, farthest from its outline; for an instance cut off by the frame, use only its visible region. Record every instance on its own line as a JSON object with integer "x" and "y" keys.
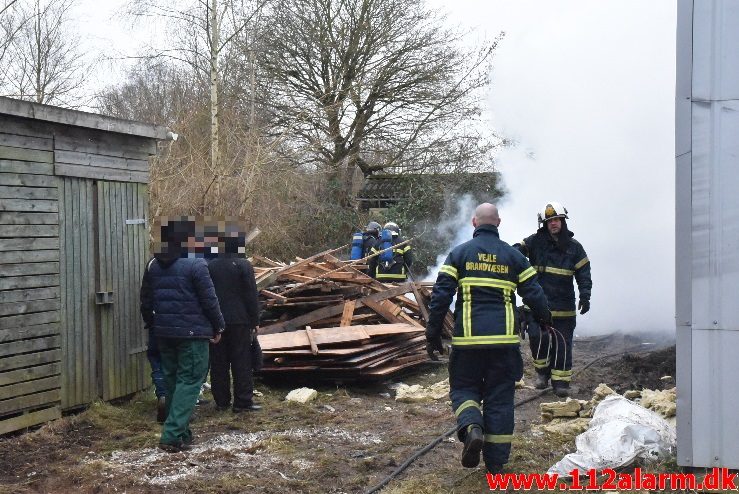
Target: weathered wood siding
{"x": 73, "y": 247}
{"x": 77, "y": 266}
{"x": 30, "y": 340}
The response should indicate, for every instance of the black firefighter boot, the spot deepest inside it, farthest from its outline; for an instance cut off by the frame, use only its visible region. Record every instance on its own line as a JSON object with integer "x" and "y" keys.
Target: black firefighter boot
{"x": 473, "y": 442}
{"x": 542, "y": 381}
{"x": 561, "y": 388}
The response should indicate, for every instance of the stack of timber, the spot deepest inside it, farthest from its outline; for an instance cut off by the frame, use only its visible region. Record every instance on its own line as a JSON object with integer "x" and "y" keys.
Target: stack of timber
{"x": 323, "y": 318}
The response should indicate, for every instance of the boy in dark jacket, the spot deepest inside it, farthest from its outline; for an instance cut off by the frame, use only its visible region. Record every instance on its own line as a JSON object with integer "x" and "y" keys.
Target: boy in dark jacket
{"x": 236, "y": 288}
{"x": 179, "y": 302}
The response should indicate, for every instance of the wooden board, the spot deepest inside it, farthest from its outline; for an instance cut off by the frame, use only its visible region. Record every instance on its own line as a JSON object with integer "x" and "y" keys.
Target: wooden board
{"x": 34, "y": 193}
{"x": 14, "y": 308}
{"x": 27, "y": 295}
{"x": 20, "y": 154}
{"x": 14, "y": 334}
{"x": 29, "y": 419}
{"x": 25, "y": 256}
{"x": 29, "y": 373}
{"x": 30, "y": 268}
{"x": 8, "y": 166}
{"x": 29, "y": 205}
{"x": 112, "y": 174}
{"x": 38, "y": 358}
{"x": 30, "y": 231}
{"x": 29, "y": 401}
{"x": 26, "y": 142}
{"x": 29, "y": 387}
{"x": 26, "y": 346}
{"x": 28, "y": 219}
{"x": 346, "y": 316}
{"x": 22, "y": 320}
{"x": 325, "y": 336}
{"x": 20, "y": 282}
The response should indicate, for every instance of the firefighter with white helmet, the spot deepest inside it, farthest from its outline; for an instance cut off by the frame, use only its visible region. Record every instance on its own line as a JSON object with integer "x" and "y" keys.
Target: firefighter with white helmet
{"x": 392, "y": 265}
{"x": 560, "y": 260}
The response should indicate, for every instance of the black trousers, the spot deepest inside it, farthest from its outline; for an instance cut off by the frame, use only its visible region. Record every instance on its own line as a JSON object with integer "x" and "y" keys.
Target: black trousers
{"x": 231, "y": 357}
{"x": 482, "y": 383}
{"x": 552, "y": 352}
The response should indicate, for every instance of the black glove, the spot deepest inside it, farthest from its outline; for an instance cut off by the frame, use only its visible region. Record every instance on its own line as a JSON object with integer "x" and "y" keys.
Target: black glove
{"x": 433, "y": 343}
{"x": 584, "y": 305}
{"x": 547, "y": 319}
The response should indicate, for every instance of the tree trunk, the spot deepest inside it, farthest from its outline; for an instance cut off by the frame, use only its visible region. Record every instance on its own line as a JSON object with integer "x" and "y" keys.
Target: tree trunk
{"x": 214, "y": 127}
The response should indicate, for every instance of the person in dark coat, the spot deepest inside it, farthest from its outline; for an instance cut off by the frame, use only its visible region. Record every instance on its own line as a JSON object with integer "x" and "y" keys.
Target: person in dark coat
{"x": 485, "y": 362}
{"x": 236, "y": 288}
{"x": 560, "y": 261}
{"x": 392, "y": 266}
{"x": 179, "y": 302}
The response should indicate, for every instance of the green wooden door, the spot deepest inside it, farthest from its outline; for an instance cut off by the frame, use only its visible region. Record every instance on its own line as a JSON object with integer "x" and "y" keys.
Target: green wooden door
{"x": 123, "y": 254}
{"x": 104, "y": 248}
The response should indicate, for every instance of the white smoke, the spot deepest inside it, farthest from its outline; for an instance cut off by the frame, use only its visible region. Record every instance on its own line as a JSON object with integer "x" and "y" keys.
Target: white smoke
{"x": 586, "y": 90}
{"x": 457, "y": 228}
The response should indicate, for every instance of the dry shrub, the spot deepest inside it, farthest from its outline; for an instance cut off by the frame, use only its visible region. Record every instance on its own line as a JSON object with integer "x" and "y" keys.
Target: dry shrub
{"x": 290, "y": 205}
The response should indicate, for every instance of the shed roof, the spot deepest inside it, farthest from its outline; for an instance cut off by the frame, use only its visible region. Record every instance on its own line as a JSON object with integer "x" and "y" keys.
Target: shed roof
{"x": 54, "y": 114}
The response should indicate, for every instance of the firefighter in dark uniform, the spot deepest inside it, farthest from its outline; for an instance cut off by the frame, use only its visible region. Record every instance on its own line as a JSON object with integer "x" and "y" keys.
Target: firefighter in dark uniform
{"x": 558, "y": 258}
{"x": 485, "y": 361}
{"x": 390, "y": 266}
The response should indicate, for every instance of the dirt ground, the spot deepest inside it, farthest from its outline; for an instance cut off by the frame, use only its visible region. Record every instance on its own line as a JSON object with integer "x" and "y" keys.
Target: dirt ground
{"x": 347, "y": 440}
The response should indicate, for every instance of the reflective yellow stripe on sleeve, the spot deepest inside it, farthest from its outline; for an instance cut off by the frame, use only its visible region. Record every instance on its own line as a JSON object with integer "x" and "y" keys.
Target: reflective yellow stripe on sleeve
{"x": 564, "y": 313}
{"x": 526, "y": 274}
{"x": 582, "y": 263}
{"x": 498, "y": 438}
{"x": 551, "y": 270}
{"x": 450, "y": 270}
{"x": 467, "y": 404}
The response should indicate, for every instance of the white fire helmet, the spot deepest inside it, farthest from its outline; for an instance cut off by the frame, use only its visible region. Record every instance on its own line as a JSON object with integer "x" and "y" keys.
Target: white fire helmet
{"x": 552, "y": 210}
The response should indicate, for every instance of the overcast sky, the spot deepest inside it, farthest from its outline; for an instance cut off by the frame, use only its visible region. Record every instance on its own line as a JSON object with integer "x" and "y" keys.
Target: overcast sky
{"x": 586, "y": 89}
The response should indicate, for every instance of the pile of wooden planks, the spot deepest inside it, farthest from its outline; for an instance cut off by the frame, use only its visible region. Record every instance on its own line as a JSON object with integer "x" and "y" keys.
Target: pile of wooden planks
{"x": 323, "y": 318}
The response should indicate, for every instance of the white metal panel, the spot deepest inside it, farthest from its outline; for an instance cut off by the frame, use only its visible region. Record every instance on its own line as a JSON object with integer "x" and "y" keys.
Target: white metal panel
{"x": 716, "y": 50}
{"x": 684, "y": 69}
{"x": 715, "y": 203}
{"x": 684, "y": 378}
{"x": 683, "y": 245}
{"x": 715, "y": 436}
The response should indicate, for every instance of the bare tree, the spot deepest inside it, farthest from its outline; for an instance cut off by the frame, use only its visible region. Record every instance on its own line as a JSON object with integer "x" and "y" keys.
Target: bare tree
{"x": 45, "y": 64}
{"x": 374, "y": 85}
{"x": 204, "y": 32}
{"x": 11, "y": 23}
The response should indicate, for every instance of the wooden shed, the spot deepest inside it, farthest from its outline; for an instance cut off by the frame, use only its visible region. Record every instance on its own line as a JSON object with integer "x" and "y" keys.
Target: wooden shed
{"x": 73, "y": 247}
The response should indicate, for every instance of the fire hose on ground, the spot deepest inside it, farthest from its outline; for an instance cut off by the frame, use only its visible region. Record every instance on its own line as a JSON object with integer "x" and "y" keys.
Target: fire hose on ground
{"x": 453, "y": 430}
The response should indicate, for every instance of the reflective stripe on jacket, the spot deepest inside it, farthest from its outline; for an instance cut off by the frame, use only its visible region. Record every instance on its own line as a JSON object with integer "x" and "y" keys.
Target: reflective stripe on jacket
{"x": 398, "y": 271}
{"x": 558, "y": 265}
{"x": 484, "y": 273}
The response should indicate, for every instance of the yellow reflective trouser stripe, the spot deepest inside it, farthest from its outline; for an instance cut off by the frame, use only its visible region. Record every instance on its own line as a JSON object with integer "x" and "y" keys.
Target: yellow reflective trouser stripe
{"x": 498, "y": 438}
{"x": 549, "y": 269}
{"x": 498, "y": 339}
{"x": 541, "y": 364}
{"x": 508, "y": 312}
{"x": 564, "y": 313}
{"x": 467, "y": 404}
{"x": 526, "y": 274}
{"x": 450, "y": 270}
{"x": 560, "y": 375}
{"x": 467, "y": 310}
{"x": 490, "y": 282}
{"x": 582, "y": 263}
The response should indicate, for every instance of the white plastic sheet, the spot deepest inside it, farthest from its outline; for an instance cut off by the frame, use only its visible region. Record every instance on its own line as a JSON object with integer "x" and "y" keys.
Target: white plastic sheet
{"x": 620, "y": 432}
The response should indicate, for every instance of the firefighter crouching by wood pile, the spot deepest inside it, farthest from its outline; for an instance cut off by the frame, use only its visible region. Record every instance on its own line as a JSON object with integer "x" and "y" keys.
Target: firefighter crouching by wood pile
{"x": 392, "y": 265}
{"x": 485, "y": 360}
